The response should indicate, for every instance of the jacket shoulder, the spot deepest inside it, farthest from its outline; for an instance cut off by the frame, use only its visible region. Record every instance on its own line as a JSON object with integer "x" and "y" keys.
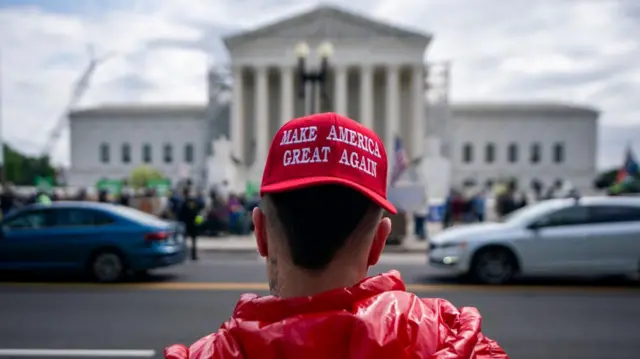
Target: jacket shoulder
{"x": 219, "y": 345}
{"x": 463, "y": 332}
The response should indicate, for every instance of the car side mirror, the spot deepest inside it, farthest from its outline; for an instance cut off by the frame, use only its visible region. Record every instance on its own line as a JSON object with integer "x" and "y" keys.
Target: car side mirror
{"x": 534, "y": 226}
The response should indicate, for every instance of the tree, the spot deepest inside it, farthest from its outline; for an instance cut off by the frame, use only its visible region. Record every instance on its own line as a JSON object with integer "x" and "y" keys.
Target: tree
{"x": 627, "y": 187}
{"x": 141, "y": 175}
{"x": 606, "y": 179}
{"x": 22, "y": 170}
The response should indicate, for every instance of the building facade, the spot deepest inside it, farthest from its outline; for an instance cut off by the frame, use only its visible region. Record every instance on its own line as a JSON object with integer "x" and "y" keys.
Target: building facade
{"x": 109, "y": 142}
{"x": 376, "y": 76}
{"x": 541, "y": 142}
{"x": 383, "y": 89}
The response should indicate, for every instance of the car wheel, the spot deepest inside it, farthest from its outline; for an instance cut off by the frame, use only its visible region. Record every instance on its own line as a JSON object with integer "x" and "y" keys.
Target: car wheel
{"x": 107, "y": 267}
{"x": 493, "y": 266}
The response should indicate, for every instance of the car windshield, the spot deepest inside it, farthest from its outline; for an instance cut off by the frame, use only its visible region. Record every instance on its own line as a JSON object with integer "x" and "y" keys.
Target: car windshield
{"x": 139, "y": 216}
{"x": 528, "y": 214}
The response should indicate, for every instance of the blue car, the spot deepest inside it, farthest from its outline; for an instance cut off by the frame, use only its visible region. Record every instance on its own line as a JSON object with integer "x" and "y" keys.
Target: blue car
{"x": 106, "y": 241}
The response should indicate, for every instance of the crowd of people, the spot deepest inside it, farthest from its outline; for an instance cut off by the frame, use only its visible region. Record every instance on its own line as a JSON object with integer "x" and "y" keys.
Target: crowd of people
{"x": 462, "y": 207}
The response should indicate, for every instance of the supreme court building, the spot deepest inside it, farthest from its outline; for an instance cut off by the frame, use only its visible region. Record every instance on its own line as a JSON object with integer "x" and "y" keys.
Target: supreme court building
{"x": 376, "y": 74}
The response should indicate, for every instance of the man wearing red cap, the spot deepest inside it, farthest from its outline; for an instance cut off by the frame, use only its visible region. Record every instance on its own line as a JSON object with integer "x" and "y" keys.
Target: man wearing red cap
{"x": 320, "y": 227}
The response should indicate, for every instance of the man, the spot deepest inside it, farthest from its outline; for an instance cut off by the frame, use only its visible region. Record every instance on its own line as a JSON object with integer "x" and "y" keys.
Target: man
{"x": 189, "y": 211}
{"x": 125, "y": 194}
{"x": 420, "y": 222}
{"x": 320, "y": 227}
{"x": 480, "y": 205}
{"x": 103, "y": 196}
{"x": 42, "y": 198}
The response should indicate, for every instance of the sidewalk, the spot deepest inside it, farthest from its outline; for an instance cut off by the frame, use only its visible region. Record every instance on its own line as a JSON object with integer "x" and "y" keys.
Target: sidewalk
{"x": 247, "y": 243}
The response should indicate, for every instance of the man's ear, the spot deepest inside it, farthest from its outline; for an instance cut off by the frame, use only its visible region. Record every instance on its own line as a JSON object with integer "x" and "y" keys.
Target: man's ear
{"x": 379, "y": 240}
{"x": 260, "y": 230}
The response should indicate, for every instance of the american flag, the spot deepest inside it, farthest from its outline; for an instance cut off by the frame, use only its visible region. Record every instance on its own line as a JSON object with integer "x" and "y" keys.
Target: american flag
{"x": 400, "y": 160}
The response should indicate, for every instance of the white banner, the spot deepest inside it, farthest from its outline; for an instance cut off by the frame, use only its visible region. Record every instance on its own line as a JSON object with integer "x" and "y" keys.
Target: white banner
{"x": 409, "y": 198}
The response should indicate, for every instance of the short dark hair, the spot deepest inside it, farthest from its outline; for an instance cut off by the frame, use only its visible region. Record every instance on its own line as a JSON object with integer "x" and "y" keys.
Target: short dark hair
{"x": 316, "y": 222}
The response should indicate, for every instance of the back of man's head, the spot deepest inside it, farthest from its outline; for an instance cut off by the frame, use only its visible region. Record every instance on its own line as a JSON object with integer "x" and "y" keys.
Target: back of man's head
{"x": 317, "y": 222}
{"x": 323, "y": 190}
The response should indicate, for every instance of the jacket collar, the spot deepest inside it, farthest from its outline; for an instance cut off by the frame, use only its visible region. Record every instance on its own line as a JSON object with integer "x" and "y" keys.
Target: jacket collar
{"x": 273, "y": 309}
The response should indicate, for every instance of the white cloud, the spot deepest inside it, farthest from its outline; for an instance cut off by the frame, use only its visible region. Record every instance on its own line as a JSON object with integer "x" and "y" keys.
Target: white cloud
{"x": 564, "y": 50}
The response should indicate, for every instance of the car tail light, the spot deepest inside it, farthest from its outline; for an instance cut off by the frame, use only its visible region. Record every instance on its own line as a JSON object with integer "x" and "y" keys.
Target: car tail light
{"x": 156, "y": 236}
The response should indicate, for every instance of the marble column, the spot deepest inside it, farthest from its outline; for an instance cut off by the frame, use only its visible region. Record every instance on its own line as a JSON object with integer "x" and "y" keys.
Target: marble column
{"x": 418, "y": 111}
{"x": 286, "y": 95}
{"x": 261, "y": 132}
{"x": 392, "y": 118}
{"x": 237, "y": 116}
{"x": 366, "y": 96}
{"x": 341, "y": 97}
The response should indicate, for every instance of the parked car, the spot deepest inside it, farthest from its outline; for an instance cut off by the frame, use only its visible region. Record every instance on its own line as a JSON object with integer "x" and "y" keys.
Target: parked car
{"x": 106, "y": 241}
{"x": 597, "y": 236}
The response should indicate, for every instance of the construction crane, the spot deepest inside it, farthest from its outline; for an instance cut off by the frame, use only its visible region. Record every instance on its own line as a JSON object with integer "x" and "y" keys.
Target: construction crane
{"x": 79, "y": 89}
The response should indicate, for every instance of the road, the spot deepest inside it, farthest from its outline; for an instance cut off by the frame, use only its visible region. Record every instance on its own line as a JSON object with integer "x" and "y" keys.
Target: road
{"x": 531, "y": 319}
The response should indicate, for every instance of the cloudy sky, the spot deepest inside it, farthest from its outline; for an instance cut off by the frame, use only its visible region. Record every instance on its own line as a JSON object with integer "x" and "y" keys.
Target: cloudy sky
{"x": 584, "y": 51}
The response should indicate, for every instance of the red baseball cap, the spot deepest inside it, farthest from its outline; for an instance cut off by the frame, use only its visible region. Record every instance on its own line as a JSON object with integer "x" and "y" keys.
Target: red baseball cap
{"x": 327, "y": 148}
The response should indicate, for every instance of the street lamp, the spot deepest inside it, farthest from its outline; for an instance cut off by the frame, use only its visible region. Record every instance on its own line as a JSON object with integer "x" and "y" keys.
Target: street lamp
{"x": 319, "y": 76}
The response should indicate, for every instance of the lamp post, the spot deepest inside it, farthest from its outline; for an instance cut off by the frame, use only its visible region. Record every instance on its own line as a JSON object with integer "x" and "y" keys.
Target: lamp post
{"x": 314, "y": 77}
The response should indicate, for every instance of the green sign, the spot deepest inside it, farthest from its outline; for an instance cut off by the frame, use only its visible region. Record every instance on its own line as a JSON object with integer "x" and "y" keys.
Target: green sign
{"x": 44, "y": 183}
{"x": 113, "y": 187}
{"x": 251, "y": 189}
{"x": 162, "y": 185}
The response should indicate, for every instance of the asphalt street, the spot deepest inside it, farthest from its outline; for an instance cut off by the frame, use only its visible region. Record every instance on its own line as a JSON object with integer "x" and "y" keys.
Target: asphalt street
{"x": 58, "y": 316}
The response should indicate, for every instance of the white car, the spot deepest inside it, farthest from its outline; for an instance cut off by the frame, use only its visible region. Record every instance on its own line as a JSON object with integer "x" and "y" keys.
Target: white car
{"x": 591, "y": 236}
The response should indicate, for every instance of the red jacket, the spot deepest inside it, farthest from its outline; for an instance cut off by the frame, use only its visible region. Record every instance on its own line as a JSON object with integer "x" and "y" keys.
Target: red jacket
{"x": 376, "y": 318}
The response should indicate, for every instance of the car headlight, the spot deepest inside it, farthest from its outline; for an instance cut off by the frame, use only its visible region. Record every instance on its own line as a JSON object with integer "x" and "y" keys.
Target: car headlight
{"x": 460, "y": 245}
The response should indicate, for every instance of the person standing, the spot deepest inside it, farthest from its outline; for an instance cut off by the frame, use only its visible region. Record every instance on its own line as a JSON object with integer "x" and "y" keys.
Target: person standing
{"x": 320, "y": 227}
{"x": 125, "y": 194}
{"x": 42, "y": 198}
{"x": 189, "y": 210}
{"x": 103, "y": 196}
{"x": 480, "y": 205}
{"x": 419, "y": 221}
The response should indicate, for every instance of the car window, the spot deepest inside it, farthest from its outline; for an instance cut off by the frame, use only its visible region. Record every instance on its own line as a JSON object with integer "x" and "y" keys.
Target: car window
{"x": 614, "y": 213}
{"x": 30, "y": 220}
{"x": 568, "y": 216}
{"x": 74, "y": 217}
{"x": 532, "y": 213}
{"x": 101, "y": 218}
{"x": 139, "y": 216}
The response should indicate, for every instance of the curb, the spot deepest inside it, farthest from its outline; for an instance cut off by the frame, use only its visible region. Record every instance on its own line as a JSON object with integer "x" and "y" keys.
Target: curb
{"x": 401, "y": 249}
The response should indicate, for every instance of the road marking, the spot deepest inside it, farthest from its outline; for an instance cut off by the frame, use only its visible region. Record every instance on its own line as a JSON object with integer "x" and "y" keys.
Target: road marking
{"x": 385, "y": 259}
{"x": 234, "y": 286}
{"x": 94, "y": 353}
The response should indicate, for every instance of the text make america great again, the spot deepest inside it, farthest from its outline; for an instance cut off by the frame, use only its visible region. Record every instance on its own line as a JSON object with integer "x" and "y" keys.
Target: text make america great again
{"x": 316, "y": 154}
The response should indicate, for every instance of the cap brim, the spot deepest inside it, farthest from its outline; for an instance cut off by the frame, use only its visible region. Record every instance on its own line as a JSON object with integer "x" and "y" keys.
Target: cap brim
{"x": 299, "y": 183}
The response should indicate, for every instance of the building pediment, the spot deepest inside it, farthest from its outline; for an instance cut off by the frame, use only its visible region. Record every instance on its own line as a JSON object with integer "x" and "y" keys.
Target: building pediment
{"x": 326, "y": 23}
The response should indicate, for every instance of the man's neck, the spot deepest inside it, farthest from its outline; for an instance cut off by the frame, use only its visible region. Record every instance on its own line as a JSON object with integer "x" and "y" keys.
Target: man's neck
{"x": 294, "y": 282}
